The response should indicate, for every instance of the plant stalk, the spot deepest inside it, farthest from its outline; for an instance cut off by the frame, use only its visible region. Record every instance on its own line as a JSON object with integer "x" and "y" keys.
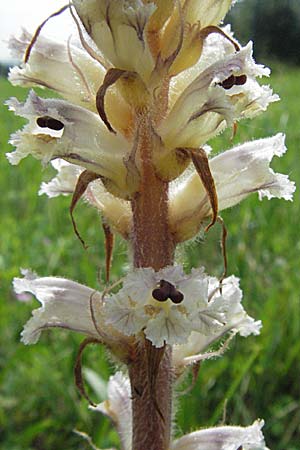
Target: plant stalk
{"x": 151, "y": 369}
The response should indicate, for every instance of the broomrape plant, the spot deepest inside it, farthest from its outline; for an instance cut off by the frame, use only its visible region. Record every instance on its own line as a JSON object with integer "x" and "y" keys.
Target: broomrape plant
{"x": 143, "y": 89}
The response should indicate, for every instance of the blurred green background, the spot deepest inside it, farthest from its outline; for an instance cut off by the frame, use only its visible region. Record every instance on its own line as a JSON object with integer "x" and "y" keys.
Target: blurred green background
{"x": 257, "y": 377}
{"x": 273, "y": 25}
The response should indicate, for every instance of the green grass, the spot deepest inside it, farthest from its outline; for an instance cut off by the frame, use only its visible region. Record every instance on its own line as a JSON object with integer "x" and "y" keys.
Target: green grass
{"x": 257, "y": 377}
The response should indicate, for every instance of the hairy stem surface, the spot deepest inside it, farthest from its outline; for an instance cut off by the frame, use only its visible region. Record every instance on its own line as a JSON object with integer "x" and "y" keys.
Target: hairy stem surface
{"x": 153, "y": 246}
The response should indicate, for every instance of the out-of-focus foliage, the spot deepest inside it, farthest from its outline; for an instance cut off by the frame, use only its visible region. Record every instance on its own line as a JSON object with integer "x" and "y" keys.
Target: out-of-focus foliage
{"x": 273, "y": 25}
{"x": 4, "y": 68}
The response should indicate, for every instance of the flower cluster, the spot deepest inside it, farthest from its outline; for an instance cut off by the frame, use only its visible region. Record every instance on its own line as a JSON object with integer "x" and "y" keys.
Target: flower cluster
{"x": 144, "y": 87}
{"x": 237, "y": 173}
{"x": 201, "y": 101}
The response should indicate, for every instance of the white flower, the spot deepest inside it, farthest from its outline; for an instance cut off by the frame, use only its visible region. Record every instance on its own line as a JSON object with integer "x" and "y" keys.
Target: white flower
{"x": 65, "y": 304}
{"x": 66, "y": 68}
{"x": 237, "y": 173}
{"x": 57, "y": 129}
{"x": 204, "y": 106}
{"x": 169, "y": 305}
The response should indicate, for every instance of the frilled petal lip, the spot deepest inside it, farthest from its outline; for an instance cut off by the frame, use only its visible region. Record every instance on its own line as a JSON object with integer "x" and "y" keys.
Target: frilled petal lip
{"x": 133, "y": 308}
{"x": 173, "y": 328}
{"x": 204, "y": 308}
{"x": 225, "y": 438}
{"x": 245, "y": 169}
{"x": 227, "y": 307}
{"x": 122, "y": 314}
{"x": 65, "y": 304}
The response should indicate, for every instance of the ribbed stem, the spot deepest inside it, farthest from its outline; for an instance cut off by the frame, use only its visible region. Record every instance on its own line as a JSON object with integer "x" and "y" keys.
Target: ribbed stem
{"x": 150, "y": 372}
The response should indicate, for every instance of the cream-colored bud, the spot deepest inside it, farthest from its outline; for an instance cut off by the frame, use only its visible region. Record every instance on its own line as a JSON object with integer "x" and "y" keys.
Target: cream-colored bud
{"x": 118, "y": 29}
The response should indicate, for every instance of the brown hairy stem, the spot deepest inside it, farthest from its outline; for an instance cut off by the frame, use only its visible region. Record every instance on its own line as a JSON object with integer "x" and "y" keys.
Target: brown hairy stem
{"x": 150, "y": 430}
{"x": 153, "y": 246}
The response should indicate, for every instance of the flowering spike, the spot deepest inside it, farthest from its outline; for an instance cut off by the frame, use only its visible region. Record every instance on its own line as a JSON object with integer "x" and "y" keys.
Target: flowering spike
{"x": 170, "y": 79}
